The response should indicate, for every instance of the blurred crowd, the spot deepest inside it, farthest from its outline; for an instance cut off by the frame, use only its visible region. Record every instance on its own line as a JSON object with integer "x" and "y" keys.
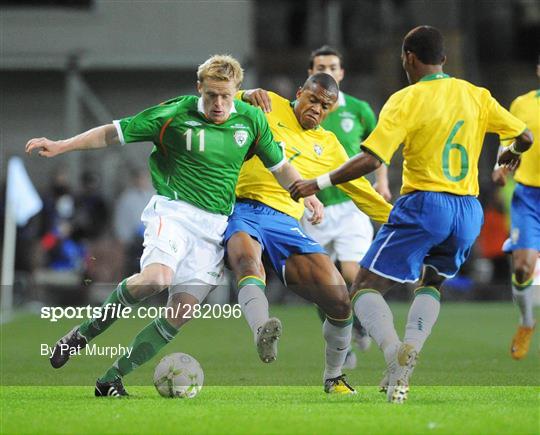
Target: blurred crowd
{"x": 80, "y": 238}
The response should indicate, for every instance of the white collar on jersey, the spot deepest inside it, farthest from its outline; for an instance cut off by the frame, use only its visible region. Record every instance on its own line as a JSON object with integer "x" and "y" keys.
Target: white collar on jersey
{"x": 341, "y": 99}
{"x": 200, "y": 106}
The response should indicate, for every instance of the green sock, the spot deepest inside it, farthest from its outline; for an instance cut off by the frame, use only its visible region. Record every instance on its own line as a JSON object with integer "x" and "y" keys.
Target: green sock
{"x": 145, "y": 346}
{"x": 91, "y": 328}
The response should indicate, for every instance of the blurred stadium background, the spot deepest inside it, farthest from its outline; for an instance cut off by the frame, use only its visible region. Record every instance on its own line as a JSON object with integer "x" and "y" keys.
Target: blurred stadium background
{"x": 67, "y": 66}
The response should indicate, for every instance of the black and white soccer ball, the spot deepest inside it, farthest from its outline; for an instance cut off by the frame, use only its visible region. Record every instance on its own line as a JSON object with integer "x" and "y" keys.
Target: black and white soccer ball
{"x": 178, "y": 375}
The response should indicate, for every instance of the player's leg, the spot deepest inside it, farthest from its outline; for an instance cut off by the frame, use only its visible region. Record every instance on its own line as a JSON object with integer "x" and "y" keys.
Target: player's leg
{"x": 183, "y": 301}
{"x": 243, "y": 243}
{"x": 158, "y": 263}
{"x": 195, "y": 236}
{"x": 524, "y": 243}
{"x": 351, "y": 244}
{"x": 524, "y": 263}
{"x": 372, "y": 310}
{"x": 151, "y": 280}
{"x": 443, "y": 261}
{"x": 416, "y": 224}
{"x": 244, "y": 258}
{"x": 349, "y": 271}
{"x": 424, "y": 309}
{"x": 314, "y": 277}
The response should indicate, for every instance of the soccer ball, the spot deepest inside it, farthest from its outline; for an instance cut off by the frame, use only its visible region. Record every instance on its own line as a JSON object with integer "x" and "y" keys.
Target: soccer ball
{"x": 178, "y": 375}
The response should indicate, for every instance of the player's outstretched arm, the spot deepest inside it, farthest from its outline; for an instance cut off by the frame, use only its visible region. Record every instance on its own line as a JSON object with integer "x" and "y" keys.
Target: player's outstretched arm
{"x": 357, "y": 167}
{"x": 259, "y": 98}
{"x": 511, "y": 155}
{"x": 98, "y": 137}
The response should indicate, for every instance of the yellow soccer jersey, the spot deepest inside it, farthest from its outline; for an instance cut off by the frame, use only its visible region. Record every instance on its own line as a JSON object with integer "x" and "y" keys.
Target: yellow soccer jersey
{"x": 441, "y": 122}
{"x": 527, "y": 108}
{"x": 312, "y": 152}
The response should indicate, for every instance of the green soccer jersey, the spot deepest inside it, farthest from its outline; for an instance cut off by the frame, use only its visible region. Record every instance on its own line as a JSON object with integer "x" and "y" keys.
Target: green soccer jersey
{"x": 352, "y": 121}
{"x": 195, "y": 160}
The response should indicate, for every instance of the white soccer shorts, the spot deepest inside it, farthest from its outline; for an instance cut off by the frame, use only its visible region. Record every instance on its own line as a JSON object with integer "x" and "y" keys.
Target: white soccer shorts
{"x": 186, "y": 239}
{"x": 345, "y": 232}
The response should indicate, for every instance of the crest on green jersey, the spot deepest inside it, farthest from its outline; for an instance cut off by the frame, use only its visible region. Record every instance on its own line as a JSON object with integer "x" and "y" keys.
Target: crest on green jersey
{"x": 241, "y": 137}
{"x": 347, "y": 124}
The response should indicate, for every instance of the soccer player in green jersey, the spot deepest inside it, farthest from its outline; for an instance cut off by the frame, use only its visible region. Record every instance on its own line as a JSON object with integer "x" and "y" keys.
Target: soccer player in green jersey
{"x": 441, "y": 122}
{"x": 200, "y": 144}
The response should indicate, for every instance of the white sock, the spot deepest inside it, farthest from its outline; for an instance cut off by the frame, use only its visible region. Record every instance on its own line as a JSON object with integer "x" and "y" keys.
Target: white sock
{"x": 254, "y": 305}
{"x": 375, "y": 316}
{"x": 338, "y": 340}
{"x": 422, "y": 316}
{"x": 523, "y": 297}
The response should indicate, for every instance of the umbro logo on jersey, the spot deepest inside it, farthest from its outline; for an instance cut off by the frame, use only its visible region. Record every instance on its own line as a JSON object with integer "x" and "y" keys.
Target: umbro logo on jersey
{"x": 241, "y": 137}
{"x": 318, "y": 149}
{"x": 193, "y": 123}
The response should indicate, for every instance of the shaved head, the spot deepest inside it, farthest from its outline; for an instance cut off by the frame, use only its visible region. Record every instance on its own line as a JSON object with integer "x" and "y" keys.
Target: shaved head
{"x": 325, "y": 81}
{"x": 426, "y": 43}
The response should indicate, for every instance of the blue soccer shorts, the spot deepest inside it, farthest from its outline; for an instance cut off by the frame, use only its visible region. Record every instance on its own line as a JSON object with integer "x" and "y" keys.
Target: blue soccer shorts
{"x": 425, "y": 228}
{"x": 279, "y": 234}
{"x": 525, "y": 215}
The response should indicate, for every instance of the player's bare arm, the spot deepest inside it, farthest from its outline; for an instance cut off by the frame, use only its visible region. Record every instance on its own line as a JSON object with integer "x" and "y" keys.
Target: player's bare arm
{"x": 358, "y": 166}
{"x": 98, "y": 137}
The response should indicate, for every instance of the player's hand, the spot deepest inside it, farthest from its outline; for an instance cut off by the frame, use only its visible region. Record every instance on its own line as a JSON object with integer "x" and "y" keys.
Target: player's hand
{"x": 509, "y": 159}
{"x": 303, "y": 188}
{"x": 383, "y": 190}
{"x": 316, "y": 208}
{"x": 258, "y": 98}
{"x": 498, "y": 176}
{"x": 46, "y": 147}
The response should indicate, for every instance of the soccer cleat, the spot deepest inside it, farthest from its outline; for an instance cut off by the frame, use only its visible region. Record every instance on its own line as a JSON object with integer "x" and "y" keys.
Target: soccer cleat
{"x": 72, "y": 342}
{"x": 338, "y": 385}
{"x": 350, "y": 360}
{"x": 267, "y": 338}
{"x": 110, "y": 389}
{"x": 521, "y": 342}
{"x": 399, "y": 372}
{"x": 361, "y": 337}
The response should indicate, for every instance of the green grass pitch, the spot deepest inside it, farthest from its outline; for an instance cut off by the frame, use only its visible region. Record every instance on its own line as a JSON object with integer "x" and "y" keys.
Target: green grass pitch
{"x": 465, "y": 381}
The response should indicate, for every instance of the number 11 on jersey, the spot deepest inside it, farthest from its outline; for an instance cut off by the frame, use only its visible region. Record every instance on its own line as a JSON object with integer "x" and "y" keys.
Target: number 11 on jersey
{"x": 189, "y": 136}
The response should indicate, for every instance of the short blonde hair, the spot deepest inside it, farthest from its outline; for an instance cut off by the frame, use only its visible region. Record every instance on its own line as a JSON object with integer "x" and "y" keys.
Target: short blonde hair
{"x": 221, "y": 67}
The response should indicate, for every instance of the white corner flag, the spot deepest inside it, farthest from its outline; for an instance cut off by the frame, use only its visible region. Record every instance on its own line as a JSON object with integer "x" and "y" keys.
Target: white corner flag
{"x": 22, "y": 202}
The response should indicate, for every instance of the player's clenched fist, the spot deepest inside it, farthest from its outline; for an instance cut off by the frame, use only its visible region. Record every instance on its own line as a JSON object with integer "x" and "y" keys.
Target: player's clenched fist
{"x": 46, "y": 147}
{"x": 302, "y": 188}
